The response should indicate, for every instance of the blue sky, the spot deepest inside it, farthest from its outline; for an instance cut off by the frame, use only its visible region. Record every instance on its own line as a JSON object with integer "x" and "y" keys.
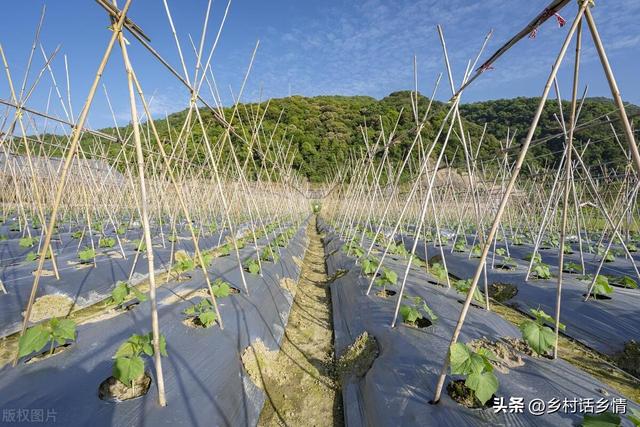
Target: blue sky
{"x": 312, "y": 47}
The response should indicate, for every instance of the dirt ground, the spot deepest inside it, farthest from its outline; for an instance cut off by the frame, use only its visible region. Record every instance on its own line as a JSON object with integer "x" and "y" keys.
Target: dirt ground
{"x": 299, "y": 380}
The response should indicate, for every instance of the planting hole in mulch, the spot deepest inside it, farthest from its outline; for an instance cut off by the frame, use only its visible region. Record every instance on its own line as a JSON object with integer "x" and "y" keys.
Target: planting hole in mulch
{"x": 507, "y": 356}
{"x": 463, "y": 395}
{"x": 505, "y": 267}
{"x": 502, "y": 292}
{"x": 128, "y": 305}
{"x": 474, "y": 304}
{"x": 435, "y": 259}
{"x": 112, "y": 390}
{"x": 338, "y": 274}
{"x": 358, "y": 358}
{"x": 44, "y": 273}
{"x": 421, "y": 323}
{"x": 598, "y": 297}
{"x": 385, "y": 293}
{"x": 629, "y": 358}
{"x": 195, "y": 323}
{"x": 182, "y": 277}
{"x": 47, "y": 354}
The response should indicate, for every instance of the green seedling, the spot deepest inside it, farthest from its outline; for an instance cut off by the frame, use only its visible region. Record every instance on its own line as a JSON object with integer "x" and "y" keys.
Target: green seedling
{"x": 477, "y": 369}
{"x": 439, "y": 272}
{"x": 536, "y": 258}
{"x": 183, "y": 262}
{"x": 601, "y": 286}
{"x": 537, "y": 335}
{"x": 252, "y": 266}
{"x": 605, "y": 419}
{"x": 107, "y": 242}
{"x": 625, "y": 282}
{"x": 398, "y": 249}
{"x": 129, "y": 364}
{"x": 415, "y": 310}
{"x": 225, "y": 249}
{"x": 571, "y": 267}
{"x": 204, "y": 312}
{"x": 86, "y": 255}
{"x": 220, "y": 288}
{"x": 541, "y": 271}
{"x": 53, "y": 331}
{"x": 460, "y": 246}
{"x": 476, "y": 251}
{"x": 463, "y": 286}
{"x": 139, "y": 245}
{"x": 124, "y": 291}
{"x": 369, "y": 265}
{"x": 27, "y": 242}
{"x": 353, "y": 249}
{"x": 388, "y": 277}
{"x": 269, "y": 254}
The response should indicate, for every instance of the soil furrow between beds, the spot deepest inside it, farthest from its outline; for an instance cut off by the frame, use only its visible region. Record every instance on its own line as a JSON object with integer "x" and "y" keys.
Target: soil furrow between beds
{"x": 299, "y": 380}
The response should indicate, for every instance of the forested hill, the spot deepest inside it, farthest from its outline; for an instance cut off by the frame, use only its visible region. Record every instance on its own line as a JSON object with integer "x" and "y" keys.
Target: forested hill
{"x": 324, "y": 129}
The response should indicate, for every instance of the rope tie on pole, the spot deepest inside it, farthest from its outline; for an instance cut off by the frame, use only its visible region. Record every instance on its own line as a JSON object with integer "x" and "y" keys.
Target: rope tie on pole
{"x": 548, "y": 13}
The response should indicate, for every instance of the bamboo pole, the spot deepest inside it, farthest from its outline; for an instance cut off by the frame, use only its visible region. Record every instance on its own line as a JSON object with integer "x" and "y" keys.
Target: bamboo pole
{"x": 155, "y": 327}
{"x": 505, "y": 198}
{"x": 567, "y": 184}
{"x": 65, "y": 168}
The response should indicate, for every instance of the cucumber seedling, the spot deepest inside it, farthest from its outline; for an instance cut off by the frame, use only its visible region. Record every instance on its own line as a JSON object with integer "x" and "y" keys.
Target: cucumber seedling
{"x": 476, "y": 368}
{"x": 184, "y": 263}
{"x": 414, "y": 311}
{"x": 439, "y": 272}
{"x": 124, "y": 291}
{"x": 571, "y": 267}
{"x": 353, "y": 249}
{"x": 269, "y": 254}
{"x": 27, "y": 242}
{"x": 387, "y": 278}
{"x": 86, "y": 255}
{"x": 369, "y": 265}
{"x": 107, "y": 242}
{"x": 601, "y": 287}
{"x": 476, "y": 251}
{"x": 220, "y": 288}
{"x": 252, "y": 266}
{"x": 540, "y": 337}
{"x": 139, "y": 245}
{"x": 203, "y": 313}
{"x": 624, "y": 281}
{"x": 460, "y": 246}
{"x": 128, "y": 364}
{"x": 53, "y": 331}
{"x": 463, "y": 286}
